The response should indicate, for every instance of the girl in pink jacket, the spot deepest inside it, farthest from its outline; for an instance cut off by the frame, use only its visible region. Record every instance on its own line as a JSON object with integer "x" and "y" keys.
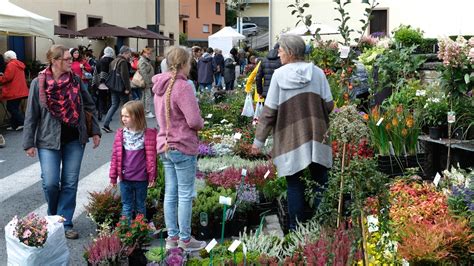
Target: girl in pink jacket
{"x": 133, "y": 159}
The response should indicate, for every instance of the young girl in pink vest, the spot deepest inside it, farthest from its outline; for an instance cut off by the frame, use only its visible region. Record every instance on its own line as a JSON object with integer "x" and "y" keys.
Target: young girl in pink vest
{"x": 133, "y": 159}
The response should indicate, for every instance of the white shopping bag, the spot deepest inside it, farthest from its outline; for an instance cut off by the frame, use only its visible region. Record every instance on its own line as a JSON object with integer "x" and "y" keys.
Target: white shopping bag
{"x": 248, "y": 106}
{"x": 258, "y": 111}
{"x": 54, "y": 252}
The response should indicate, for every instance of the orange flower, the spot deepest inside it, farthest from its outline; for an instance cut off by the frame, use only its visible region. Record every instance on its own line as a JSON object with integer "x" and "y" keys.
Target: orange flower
{"x": 404, "y": 132}
{"x": 388, "y": 126}
{"x": 375, "y": 113}
{"x": 350, "y": 86}
{"x": 410, "y": 122}
{"x": 399, "y": 109}
{"x": 366, "y": 117}
{"x": 346, "y": 96}
{"x": 394, "y": 121}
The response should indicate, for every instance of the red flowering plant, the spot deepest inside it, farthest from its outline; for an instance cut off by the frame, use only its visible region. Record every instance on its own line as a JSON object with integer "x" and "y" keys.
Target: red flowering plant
{"x": 32, "y": 230}
{"x": 427, "y": 231}
{"x": 231, "y": 177}
{"x": 135, "y": 233}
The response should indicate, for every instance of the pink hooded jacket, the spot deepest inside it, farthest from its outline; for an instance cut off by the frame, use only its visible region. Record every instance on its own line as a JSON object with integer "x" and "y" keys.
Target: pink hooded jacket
{"x": 185, "y": 116}
{"x": 117, "y": 155}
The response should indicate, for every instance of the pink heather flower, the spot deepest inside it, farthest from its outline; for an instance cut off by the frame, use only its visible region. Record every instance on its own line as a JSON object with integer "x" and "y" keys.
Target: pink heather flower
{"x": 26, "y": 234}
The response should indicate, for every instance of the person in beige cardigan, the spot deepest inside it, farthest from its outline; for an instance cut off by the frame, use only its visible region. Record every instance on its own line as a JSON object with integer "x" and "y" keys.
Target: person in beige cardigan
{"x": 145, "y": 68}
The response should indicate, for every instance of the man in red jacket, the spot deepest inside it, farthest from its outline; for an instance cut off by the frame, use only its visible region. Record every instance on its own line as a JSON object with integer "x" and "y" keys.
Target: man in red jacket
{"x": 14, "y": 88}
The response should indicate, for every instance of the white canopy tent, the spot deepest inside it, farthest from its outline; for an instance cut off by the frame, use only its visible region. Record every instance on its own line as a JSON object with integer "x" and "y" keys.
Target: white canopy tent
{"x": 225, "y": 39}
{"x": 16, "y": 21}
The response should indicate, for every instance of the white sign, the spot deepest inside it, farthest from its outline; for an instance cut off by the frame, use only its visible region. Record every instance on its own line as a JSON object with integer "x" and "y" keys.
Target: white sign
{"x": 266, "y": 142}
{"x": 380, "y": 121}
{"x": 223, "y": 168}
{"x": 225, "y": 200}
{"x": 237, "y": 136}
{"x": 451, "y": 117}
{"x": 234, "y": 246}
{"x": 266, "y": 174}
{"x": 344, "y": 51}
{"x": 244, "y": 249}
{"x": 209, "y": 116}
{"x": 224, "y": 121}
{"x": 244, "y": 172}
{"x": 372, "y": 223}
{"x": 211, "y": 245}
{"x": 437, "y": 179}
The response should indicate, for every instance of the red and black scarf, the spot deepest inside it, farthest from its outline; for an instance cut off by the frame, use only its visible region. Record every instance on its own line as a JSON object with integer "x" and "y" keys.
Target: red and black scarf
{"x": 61, "y": 98}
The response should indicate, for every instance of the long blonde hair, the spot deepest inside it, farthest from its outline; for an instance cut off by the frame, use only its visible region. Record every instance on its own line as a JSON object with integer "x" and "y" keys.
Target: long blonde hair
{"x": 137, "y": 112}
{"x": 176, "y": 58}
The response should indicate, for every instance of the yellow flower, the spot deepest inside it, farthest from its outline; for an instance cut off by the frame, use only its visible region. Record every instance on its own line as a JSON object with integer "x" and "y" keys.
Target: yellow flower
{"x": 410, "y": 122}
{"x": 394, "y": 121}
{"x": 404, "y": 132}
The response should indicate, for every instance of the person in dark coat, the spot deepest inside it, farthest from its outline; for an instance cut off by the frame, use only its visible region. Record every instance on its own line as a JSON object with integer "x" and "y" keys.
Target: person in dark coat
{"x": 230, "y": 61}
{"x": 218, "y": 60}
{"x": 265, "y": 72}
{"x": 206, "y": 69}
{"x": 101, "y": 74}
{"x": 193, "y": 73}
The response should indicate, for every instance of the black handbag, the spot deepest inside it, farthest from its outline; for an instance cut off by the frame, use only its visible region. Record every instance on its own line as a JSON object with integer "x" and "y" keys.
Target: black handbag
{"x": 114, "y": 81}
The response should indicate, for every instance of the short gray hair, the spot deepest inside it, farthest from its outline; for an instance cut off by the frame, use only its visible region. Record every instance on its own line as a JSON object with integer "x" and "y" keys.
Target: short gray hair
{"x": 293, "y": 45}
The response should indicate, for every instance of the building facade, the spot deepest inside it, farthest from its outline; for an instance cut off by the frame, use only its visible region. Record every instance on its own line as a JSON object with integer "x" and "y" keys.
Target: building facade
{"x": 78, "y": 15}
{"x": 434, "y": 18}
{"x": 198, "y": 19}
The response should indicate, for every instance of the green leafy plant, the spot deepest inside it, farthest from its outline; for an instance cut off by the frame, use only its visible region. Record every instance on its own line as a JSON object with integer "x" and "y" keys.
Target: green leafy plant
{"x": 408, "y": 36}
{"x": 104, "y": 206}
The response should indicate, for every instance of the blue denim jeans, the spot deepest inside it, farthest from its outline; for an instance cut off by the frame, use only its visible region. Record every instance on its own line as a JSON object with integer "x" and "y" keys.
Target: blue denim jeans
{"x": 133, "y": 195}
{"x": 137, "y": 94}
{"x": 180, "y": 174}
{"x": 205, "y": 87}
{"x": 295, "y": 192}
{"x": 218, "y": 79}
{"x": 60, "y": 174}
{"x": 117, "y": 98}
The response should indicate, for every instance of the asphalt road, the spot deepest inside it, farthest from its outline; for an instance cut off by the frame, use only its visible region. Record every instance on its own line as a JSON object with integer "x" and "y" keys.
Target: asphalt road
{"x": 21, "y": 192}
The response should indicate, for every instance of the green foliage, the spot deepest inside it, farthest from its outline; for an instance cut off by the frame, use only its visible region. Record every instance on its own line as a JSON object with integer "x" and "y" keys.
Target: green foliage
{"x": 274, "y": 189}
{"x": 408, "y": 36}
{"x": 228, "y": 108}
{"x": 361, "y": 181}
{"x": 427, "y": 46}
{"x": 104, "y": 206}
{"x": 183, "y": 39}
{"x": 395, "y": 67}
{"x": 207, "y": 201}
{"x": 155, "y": 254}
{"x": 347, "y": 125}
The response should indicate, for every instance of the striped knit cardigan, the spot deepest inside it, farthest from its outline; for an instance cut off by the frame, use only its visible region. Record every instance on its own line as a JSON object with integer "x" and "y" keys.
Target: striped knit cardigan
{"x": 297, "y": 110}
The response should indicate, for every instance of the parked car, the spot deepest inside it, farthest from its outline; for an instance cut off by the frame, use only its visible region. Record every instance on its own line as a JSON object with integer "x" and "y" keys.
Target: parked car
{"x": 248, "y": 28}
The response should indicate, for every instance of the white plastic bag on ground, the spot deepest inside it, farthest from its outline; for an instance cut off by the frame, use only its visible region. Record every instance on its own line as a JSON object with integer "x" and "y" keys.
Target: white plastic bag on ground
{"x": 54, "y": 252}
{"x": 258, "y": 110}
{"x": 248, "y": 106}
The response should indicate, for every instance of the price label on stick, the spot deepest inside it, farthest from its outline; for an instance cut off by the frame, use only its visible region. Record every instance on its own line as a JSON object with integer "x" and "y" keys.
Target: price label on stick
{"x": 266, "y": 174}
{"x": 237, "y": 136}
{"x": 244, "y": 249}
{"x": 244, "y": 172}
{"x": 224, "y": 121}
{"x": 380, "y": 121}
{"x": 451, "y": 117}
{"x": 209, "y": 116}
{"x": 234, "y": 246}
{"x": 372, "y": 223}
{"x": 225, "y": 200}
{"x": 211, "y": 245}
{"x": 266, "y": 142}
{"x": 437, "y": 179}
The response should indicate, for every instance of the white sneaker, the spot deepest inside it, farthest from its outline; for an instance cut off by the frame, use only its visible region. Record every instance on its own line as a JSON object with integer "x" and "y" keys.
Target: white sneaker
{"x": 150, "y": 115}
{"x": 192, "y": 244}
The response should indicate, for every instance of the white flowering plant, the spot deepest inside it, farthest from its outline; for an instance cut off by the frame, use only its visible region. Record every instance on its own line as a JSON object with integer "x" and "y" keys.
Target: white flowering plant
{"x": 31, "y": 230}
{"x": 435, "y": 109}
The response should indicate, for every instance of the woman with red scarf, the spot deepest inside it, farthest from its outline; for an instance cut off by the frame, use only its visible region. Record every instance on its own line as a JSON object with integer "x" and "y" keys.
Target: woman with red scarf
{"x": 55, "y": 125}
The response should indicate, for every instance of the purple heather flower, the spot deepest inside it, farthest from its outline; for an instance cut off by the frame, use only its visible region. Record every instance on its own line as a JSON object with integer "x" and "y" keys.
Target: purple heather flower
{"x": 175, "y": 251}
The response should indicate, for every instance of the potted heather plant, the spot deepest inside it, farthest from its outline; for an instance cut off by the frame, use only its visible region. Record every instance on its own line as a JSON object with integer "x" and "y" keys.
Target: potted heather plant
{"x": 104, "y": 206}
{"x": 106, "y": 249}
